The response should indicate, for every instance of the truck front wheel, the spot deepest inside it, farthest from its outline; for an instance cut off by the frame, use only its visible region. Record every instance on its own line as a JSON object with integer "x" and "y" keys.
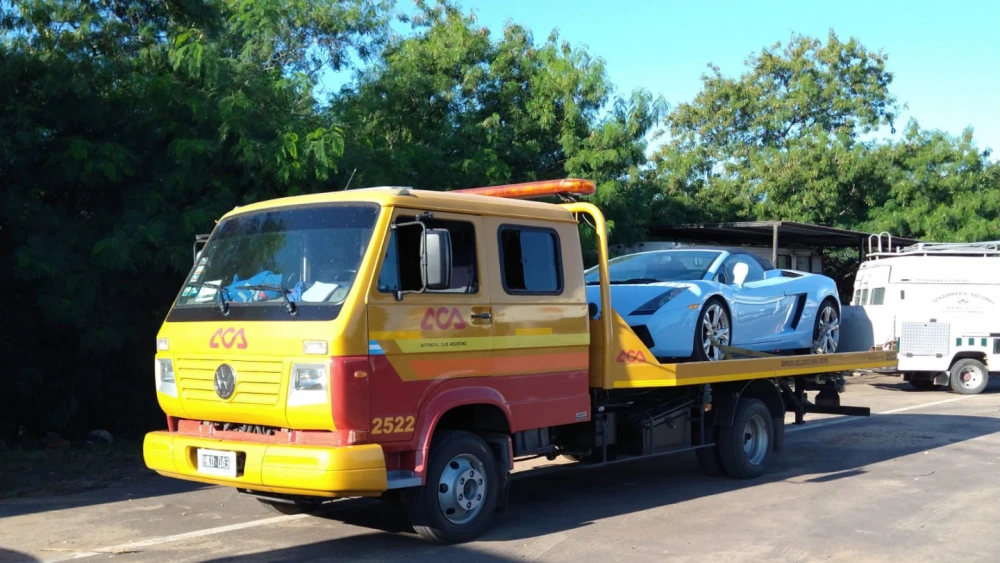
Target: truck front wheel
{"x": 457, "y": 501}
{"x": 969, "y": 377}
{"x": 745, "y": 446}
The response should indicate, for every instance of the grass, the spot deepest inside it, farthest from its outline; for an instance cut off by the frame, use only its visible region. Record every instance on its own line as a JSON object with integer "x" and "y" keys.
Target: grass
{"x": 70, "y": 469}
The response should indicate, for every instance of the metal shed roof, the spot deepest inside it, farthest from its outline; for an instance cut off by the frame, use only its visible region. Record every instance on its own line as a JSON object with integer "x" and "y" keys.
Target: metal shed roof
{"x": 790, "y": 234}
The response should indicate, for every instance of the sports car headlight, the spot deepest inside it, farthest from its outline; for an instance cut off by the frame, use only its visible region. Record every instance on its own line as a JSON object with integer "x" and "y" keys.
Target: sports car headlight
{"x": 654, "y": 304}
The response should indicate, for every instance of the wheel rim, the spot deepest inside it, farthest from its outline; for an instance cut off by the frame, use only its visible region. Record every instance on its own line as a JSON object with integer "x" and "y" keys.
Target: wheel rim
{"x": 970, "y": 377}
{"x": 829, "y": 328}
{"x": 715, "y": 324}
{"x": 755, "y": 439}
{"x": 462, "y": 488}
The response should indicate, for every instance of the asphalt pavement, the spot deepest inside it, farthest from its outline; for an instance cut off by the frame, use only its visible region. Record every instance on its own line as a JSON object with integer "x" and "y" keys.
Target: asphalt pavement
{"x": 915, "y": 482}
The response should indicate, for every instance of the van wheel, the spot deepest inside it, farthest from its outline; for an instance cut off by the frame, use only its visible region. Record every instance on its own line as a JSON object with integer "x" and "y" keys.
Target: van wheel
{"x": 745, "y": 446}
{"x": 969, "y": 377}
{"x": 457, "y": 502}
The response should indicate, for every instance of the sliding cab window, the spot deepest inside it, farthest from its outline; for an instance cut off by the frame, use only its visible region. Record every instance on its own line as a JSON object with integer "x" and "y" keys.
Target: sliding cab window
{"x": 878, "y": 296}
{"x": 401, "y": 267}
{"x": 530, "y": 261}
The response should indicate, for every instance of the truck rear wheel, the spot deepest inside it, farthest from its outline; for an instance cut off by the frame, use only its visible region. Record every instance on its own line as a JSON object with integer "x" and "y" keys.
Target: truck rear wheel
{"x": 969, "y": 377}
{"x": 745, "y": 446}
{"x": 457, "y": 501}
{"x": 708, "y": 457}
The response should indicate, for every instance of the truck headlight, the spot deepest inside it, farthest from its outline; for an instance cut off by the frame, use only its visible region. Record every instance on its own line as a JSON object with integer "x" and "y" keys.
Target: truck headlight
{"x": 309, "y": 385}
{"x": 165, "y": 382}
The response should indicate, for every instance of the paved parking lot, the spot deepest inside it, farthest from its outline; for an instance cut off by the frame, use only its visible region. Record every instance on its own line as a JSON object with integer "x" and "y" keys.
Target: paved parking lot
{"x": 916, "y": 482}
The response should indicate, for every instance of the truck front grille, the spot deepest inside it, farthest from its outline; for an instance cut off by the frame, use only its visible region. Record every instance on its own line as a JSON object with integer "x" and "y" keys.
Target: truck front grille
{"x": 257, "y": 383}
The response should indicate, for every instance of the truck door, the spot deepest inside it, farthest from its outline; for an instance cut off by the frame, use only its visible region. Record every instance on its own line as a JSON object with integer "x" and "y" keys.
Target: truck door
{"x": 540, "y": 321}
{"x": 426, "y": 337}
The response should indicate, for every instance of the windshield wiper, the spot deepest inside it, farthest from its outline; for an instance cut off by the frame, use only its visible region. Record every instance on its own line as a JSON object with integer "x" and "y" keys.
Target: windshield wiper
{"x": 223, "y": 302}
{"x": 289, "y": 305}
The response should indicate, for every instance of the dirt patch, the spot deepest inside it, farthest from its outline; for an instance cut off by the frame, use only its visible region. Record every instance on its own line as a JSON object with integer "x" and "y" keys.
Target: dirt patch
{"x": 69, "y": 469}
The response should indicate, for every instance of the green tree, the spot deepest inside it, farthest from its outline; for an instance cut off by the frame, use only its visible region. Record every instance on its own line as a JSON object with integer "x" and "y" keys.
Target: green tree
{"x": 782, "y": 140}
{"x": 129, "y": 127}
{"x": 939, "y": 188}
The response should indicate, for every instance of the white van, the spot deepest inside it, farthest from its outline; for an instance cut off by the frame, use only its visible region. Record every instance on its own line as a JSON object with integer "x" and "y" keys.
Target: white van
{"x": 945, "y": 278}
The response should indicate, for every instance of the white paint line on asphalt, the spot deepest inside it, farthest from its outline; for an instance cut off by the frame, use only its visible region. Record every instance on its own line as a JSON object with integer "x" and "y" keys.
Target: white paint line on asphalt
{"x": 537, "y": 548}
{"x": 137, "y": 545}
{"x": 842, "y": 420}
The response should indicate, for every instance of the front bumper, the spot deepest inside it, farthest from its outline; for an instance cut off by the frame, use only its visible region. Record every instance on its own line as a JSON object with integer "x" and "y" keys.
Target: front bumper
{"x": 348, "y": 471}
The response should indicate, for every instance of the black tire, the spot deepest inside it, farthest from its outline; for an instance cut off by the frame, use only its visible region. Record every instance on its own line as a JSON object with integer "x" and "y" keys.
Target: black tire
{"x": 733, "y": 457}
{"x": 968, "y": 368}
{"x": 287, "y": 508}
{"x": 423, "y": 506}
{"x": 827, "y": 305}
{"x": 699, "y": 329}
{"x": 923, "y": 384}
{"x": 595, "y": 456}
{"x": 708, "y": 457}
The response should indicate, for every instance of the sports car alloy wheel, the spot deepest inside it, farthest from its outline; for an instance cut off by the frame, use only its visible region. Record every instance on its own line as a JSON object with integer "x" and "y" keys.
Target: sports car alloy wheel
{"x": 714, "y": 325}
{"x": 827, "y": 330}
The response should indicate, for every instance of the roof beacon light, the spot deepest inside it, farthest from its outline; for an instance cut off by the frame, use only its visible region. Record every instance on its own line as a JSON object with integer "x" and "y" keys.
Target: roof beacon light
{"x": 529, "y": 190}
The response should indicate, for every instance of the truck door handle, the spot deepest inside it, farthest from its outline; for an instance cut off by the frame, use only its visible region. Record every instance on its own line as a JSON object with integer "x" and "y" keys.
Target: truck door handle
{"x": 482, "y": 316}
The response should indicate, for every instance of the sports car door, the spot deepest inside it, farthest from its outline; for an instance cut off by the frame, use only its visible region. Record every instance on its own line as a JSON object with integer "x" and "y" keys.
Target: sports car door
{"x": 761, "y": 310}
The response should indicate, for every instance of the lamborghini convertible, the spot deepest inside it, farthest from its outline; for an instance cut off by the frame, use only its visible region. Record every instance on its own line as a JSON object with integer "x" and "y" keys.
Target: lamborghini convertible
{"x": 690, "y": 303}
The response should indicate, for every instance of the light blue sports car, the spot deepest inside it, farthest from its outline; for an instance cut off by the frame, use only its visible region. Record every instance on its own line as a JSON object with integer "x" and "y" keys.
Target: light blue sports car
{"x": 675, "y": 300}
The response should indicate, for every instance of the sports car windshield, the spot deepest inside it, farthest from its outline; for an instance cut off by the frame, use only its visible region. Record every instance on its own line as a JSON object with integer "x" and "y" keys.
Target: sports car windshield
{"x": 652, "y": 267}
{"x": 305, "y": 256}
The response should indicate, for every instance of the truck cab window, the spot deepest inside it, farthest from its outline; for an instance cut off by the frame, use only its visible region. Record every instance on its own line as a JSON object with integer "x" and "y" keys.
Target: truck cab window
{"x": 530, "y": 261}
{"x": 401, "y": 268}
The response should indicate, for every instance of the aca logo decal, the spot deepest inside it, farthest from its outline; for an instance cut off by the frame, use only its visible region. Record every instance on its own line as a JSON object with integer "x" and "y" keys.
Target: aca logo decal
{"x": 442, "y": 318}
{"x": 631, "y": 357}
{"x": 228, "y": 338}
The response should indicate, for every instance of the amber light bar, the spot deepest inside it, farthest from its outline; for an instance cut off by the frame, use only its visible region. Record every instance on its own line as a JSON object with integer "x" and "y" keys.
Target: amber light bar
{"x": 535, "y": 189}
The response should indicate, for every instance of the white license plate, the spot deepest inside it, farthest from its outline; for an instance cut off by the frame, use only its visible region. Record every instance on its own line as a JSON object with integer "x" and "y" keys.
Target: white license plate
{"x": 215, "y": 462}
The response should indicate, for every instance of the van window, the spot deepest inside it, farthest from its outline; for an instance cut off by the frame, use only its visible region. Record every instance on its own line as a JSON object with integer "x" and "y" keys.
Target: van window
{"x": 529, "y": 260}
{"x": 878, "y": 296}
{"x": 857, "y": 296}
{"x": 401, "y": 268}
{"x": 864, "y": 297}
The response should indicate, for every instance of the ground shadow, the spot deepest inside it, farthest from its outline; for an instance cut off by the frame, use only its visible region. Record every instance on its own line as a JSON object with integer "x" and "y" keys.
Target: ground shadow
{"x": 10, "y": 556}
{"x": 147, "y": 487}
{"x": 548, "y": 502}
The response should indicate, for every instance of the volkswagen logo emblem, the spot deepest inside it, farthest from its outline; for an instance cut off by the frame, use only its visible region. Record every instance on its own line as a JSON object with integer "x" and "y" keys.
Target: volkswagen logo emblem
{"x": 225, "y": 381}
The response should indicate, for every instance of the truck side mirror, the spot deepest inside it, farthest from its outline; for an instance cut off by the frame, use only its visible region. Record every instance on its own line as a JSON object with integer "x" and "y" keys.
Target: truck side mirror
{"x": 436, "y": 257}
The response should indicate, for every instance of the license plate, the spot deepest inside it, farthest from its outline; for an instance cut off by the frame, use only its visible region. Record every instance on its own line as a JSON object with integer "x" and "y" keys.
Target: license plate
{"x": 215, "y": 462}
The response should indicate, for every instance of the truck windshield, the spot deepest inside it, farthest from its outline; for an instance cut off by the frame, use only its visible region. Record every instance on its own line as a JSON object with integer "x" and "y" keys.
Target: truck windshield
{"x": 658, "y": 266}
{"x": 311, "y": 254}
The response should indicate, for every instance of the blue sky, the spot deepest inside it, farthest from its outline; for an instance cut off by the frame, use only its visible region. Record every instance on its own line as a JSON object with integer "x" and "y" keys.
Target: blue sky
{"x": 945, "y": 56}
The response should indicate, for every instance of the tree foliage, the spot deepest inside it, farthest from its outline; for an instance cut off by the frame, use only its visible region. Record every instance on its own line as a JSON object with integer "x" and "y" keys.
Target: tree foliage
{"x": 128, "y": 127}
